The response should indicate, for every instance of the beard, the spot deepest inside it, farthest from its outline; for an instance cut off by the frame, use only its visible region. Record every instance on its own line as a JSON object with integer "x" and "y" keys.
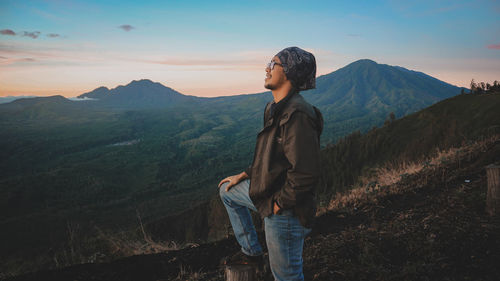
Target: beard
{"x": 269, "y": 86}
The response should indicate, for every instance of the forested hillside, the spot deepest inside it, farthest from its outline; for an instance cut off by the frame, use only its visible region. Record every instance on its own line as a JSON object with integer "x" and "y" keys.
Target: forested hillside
{"x": 429, "y": 225}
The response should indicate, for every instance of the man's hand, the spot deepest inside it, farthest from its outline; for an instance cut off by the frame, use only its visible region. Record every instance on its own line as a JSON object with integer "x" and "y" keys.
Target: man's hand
{"x": 276, "y": 208}
{"x": 233, "y": 180}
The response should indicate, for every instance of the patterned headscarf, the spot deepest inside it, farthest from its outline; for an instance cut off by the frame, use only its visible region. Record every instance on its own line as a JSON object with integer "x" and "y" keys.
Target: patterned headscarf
{"x": 299, "y": 67}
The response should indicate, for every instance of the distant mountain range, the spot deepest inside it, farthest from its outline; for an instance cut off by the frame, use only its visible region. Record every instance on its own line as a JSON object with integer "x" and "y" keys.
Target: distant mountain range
{"x": 359, "y": 88}
{"x": 357, "y": 96}
{"x": 13, "y": 98}
{"x": 363, "y": 85}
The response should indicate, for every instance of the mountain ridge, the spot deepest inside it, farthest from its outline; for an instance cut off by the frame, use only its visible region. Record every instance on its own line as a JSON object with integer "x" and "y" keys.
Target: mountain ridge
{"x": 362, "y": 93}
{"x": 358, "y": 88}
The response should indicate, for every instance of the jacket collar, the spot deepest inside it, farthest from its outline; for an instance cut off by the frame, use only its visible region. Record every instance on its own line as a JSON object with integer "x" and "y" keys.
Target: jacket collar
{"x": 276, "y": 108}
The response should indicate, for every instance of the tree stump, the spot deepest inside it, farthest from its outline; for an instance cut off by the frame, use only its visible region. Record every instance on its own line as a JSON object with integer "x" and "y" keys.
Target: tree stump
{"x": 241, "y": 273}
{"x": 493, "y": 194}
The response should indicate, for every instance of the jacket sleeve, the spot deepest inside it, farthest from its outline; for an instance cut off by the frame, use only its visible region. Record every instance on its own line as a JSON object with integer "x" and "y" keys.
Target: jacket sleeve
{"x": 248, "y": 171}
{"x": 302, "y": 150}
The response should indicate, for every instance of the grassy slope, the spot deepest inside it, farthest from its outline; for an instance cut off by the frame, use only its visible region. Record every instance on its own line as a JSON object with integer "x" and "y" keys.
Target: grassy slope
{"x": 448, "y": 123}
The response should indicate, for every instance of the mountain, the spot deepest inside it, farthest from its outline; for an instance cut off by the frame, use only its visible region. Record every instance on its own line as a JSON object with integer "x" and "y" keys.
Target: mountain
{"x": 365, "y": 84}
{"x": 138, "y": 94}
{"x": 38, "y": 101}
{"x": 40, "y": 108}
{"x": 13, "y": 98}
{"x": 365, "y": 92}
{"x": 99, "y": 93}
{"x": 356, "y": 97}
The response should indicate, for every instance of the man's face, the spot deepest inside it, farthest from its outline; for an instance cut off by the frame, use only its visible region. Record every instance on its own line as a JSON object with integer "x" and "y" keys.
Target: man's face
{"x": 275, "y": 77}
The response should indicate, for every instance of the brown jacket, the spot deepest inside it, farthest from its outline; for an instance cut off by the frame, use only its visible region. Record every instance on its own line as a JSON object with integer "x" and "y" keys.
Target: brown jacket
{"x": 286, "y": 164}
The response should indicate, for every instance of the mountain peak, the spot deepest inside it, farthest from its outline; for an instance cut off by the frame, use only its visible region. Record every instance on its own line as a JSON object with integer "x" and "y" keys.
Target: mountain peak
{"x": 102, "y": 88}
{"x": 142, "y": 82}
{"x": 365, "y": 61}
{"x": 142, "y": 93}
{"x": 98, "y": 93}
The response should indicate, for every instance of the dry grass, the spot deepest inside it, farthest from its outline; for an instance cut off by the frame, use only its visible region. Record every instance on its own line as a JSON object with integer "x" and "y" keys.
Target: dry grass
{"x": 185, "y": 274}
{"x": 123, "y": 244}
{"x": 99, "y": 246}
{"x": 384, "y": 180}
{"x": 390, "y": 174}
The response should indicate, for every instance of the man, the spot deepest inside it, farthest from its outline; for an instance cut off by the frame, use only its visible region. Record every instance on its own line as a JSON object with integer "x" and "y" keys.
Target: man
{"x": 286, "y": 167}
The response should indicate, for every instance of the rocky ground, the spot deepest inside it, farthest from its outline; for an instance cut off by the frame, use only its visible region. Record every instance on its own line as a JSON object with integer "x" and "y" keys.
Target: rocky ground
{"x": 430, "y": 226}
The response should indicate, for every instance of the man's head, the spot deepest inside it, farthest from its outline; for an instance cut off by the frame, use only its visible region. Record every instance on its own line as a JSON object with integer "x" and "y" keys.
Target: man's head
{"x": 275, "y": 76}
{"x": 294, "y": 65}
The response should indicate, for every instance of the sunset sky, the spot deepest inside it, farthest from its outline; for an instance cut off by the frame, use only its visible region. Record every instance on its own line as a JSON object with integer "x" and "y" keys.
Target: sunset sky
{"x": 214, "y": 48}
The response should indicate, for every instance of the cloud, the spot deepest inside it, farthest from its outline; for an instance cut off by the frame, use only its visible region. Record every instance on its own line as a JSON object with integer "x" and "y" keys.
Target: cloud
{"x": 201, "y": 64}
{"x": 81, "y": 99}
{"x": 3, "y": 58}
{"x": 33, "y": 34}
{"x": 494, "y": 46}
{"x": 10, "y": 61}
{"x": 7, "y": 32}
{"x": 126, "y": 27}
{"x": 190, "y": 62}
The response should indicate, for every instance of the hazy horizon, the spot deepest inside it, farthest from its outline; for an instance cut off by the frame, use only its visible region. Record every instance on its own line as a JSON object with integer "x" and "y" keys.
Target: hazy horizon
{"x": 112, "y": 87}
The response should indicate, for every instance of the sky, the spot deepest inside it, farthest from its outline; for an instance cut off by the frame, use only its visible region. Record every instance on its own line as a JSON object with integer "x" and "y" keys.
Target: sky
{"x": 220, "y": 48}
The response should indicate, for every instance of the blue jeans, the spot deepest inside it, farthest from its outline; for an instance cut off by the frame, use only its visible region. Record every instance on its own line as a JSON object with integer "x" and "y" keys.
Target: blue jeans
{"x": 284, "y": 233}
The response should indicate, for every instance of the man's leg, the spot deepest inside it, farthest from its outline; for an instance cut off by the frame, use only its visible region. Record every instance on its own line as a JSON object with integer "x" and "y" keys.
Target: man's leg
{"x": 285, "y": 239}
{"x": 237, "y": 202}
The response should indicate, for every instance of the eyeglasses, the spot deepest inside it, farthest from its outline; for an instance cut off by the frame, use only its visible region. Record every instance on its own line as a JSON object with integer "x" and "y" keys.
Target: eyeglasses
{"x": 272, "y": 64}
